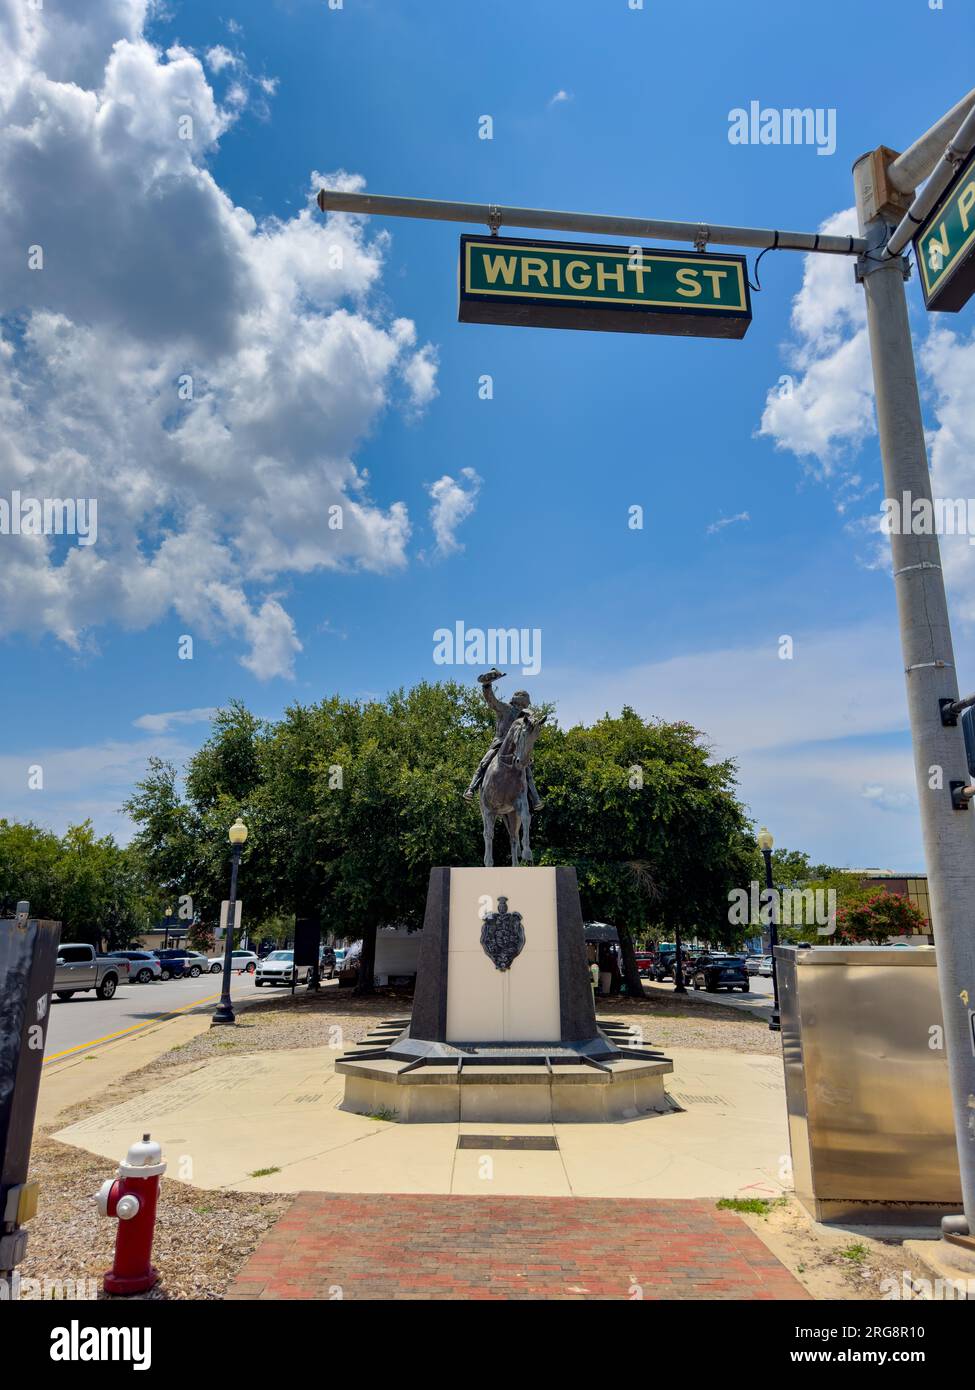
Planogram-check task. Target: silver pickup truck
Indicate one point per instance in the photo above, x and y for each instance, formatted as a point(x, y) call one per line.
point(79, 968)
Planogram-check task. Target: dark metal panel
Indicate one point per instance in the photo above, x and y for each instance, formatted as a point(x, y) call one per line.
point(308, 940)
point(576, 1008)
point(429, 1020)
point(28, 950)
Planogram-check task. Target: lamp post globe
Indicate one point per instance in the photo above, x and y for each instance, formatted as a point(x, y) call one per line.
point(236, 835)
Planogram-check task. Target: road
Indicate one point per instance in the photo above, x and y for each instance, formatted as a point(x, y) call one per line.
point(759, 996)
point(85, 1021)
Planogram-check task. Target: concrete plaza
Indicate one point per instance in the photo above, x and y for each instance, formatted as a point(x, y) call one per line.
point(272, 1122)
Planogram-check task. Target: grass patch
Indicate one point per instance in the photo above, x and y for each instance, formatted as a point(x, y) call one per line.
point(855, 1253)
point(263, 1172)
point(384, 1113)
point(757, 1206)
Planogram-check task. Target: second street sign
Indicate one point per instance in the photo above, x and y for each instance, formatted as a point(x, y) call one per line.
point(945, 245)
point(568, 284)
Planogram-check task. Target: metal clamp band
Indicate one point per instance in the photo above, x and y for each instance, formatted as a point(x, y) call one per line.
point(921, 665)
point(924, 565)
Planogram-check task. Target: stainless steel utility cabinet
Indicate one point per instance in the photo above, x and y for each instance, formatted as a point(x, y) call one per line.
point(866, 1080)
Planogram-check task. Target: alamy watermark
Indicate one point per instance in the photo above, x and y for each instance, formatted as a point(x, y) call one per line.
point(790, 125)
point(786, 907)
point(494, 646)
point(49, 516)
point(17, 1288)
point(910, 1287)
point(928, 516)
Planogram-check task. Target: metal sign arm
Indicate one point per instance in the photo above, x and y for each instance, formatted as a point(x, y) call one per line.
point(909, 170)
point(489, 214)
point(959, 146)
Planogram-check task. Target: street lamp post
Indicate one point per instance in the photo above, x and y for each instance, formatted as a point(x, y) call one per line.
point(678, 964)
point(224, 1012)
point(765, 843)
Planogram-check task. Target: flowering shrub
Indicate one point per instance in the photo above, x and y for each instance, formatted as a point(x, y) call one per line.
point(876, 918)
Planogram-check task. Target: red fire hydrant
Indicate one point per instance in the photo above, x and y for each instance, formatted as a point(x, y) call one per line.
point(131, 1198)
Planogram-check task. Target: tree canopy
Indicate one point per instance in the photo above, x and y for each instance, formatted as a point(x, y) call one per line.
point(98, 890)
point(349, 804)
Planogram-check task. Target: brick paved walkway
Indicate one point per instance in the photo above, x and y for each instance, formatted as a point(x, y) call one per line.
point(397, 1247)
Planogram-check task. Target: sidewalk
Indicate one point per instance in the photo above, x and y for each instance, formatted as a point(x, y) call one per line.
point(408, 1247)
point(271, 1122)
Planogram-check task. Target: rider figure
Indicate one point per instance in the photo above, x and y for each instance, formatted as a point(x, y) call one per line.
point(505, 716)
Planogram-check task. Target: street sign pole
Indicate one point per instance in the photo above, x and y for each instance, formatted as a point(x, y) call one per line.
point(929, 665)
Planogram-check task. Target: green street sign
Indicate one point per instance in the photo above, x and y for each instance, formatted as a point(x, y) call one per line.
point(945, 245)
point(623, 289)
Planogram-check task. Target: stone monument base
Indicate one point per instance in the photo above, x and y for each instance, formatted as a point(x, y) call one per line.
point(503, 1025)
point(490, 1084)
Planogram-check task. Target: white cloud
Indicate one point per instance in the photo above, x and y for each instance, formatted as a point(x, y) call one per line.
point(207, 377)
point(839, 684)
point(162, 723)
point(825, 413)
point(453, 503)
point(560, 96)
point(887, 800)
point(821, 805)
point(811, 736)
point(70, 774)
point(830, 407)
point(724, 521)
point(948, 359)
point(218, 57)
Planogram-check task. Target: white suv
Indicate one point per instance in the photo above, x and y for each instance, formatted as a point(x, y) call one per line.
point(279, 969)
point(239, 960)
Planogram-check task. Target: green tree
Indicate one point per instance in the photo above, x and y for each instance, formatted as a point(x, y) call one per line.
point(29, 869)
point(349, 805)
point(653, 826)
point(388, 796)
point(96, 889)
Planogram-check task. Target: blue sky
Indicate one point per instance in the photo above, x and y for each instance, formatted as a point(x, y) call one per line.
point(595, 107)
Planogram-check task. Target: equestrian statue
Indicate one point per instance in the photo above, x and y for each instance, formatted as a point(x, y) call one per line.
point(504, 776)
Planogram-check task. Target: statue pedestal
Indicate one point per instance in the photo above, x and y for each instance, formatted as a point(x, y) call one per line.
point(544, 995)
point(503, 1024)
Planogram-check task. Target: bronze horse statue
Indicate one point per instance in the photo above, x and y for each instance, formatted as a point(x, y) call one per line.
point(504, 790)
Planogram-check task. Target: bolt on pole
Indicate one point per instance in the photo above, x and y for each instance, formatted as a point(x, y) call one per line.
point(929, 664)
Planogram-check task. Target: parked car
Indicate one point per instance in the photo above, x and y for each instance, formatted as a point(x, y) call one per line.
point(79, 968)
point(663, 967)
point(753, 964)
point(176, 963)
point(347, 967)
point(326, 963)
point(714, 972)
point(279, 969)
point(765, 966)
point(144, 966)
point(644, 962)
point(239, 960)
